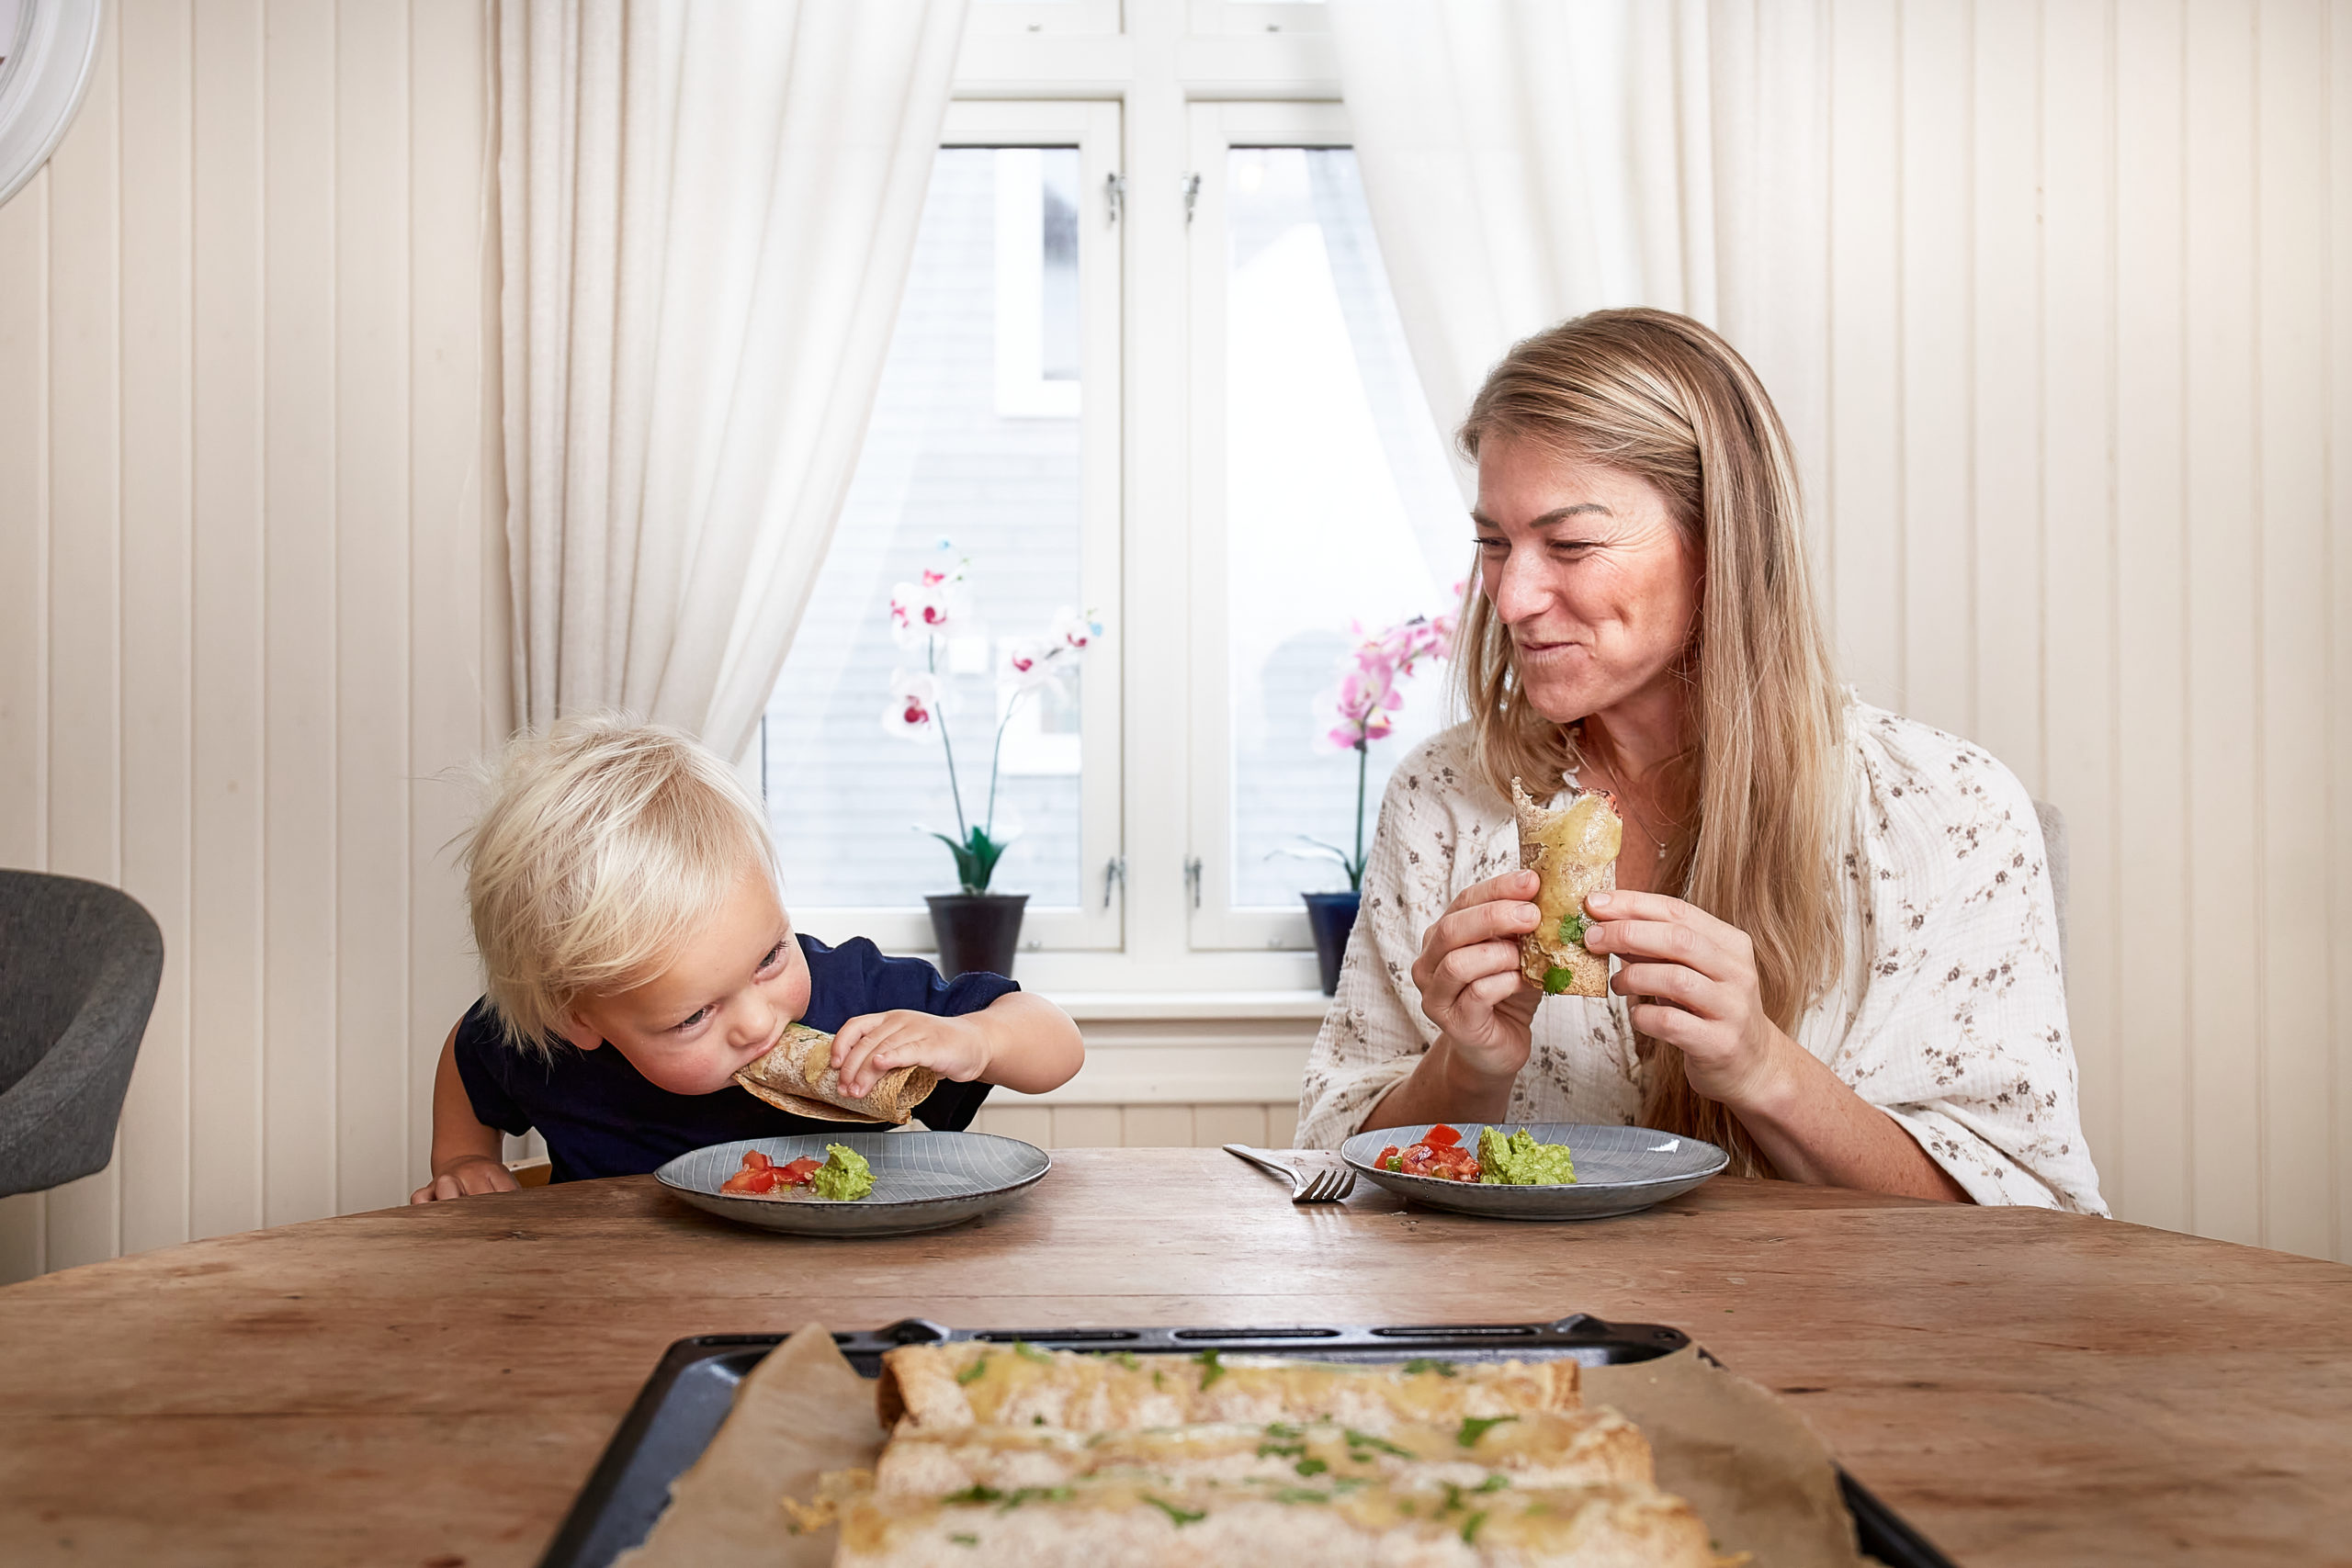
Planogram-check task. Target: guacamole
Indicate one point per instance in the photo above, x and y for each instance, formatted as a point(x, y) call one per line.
point(844, 1175)
point(1520, 1161)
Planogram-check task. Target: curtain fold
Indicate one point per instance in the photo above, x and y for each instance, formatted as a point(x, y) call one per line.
point(706, 214)
point(1526, 161)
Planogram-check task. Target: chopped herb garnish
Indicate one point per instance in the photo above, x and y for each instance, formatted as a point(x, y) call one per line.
point(973, 1371)
point(1280, 1450)
point(1431, 1364)
point(962, 1539)
point(1366, 1440)
point(1128, 1360)
point(1494, 1482)
point(1476, 1426)
point(1301, 1494)
point(1470, 1529)
point(1158, 1379)
point(1572, 929)
point(1285, 1431)
point(974, 1494)
point(1310, 1467)
point(1182, 1517)
point(1211, 1368)
point(1557, 981)
point(1032, 1493)
point(1344, 1485)
point(1029, 1352)
point(1036, 1420)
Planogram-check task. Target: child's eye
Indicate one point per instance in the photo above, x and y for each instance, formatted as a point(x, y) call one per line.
point(774, 957)
point(699, 1014)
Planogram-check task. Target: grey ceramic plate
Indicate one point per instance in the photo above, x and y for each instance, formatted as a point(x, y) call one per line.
point(921, 1181)
point(1619, 1170)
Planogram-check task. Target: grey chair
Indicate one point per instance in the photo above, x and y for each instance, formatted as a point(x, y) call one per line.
point(79, 965)
point(2054, 849)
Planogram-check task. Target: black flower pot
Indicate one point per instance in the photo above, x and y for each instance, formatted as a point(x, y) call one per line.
point(1331, 916)
point(976, 930)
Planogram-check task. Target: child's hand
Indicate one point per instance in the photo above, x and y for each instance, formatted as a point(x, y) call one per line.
point(466, 1176)
point(878, 1043)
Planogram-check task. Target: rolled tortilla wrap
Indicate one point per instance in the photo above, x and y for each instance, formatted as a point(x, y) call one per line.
point(1135, 1522)
point(799, 1077)
point(979, 1383)
point(1549, 1448)
point(1574, 851)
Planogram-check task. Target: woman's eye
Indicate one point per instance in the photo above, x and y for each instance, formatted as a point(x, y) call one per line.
point(1491, 546)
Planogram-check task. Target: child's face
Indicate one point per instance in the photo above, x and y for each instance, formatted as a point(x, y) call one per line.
point(721, 1005)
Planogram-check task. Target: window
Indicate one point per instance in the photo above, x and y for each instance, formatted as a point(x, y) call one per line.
point(1147, 363)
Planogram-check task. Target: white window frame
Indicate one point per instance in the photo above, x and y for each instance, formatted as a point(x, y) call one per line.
point(1217, 128)
point(1096, 925)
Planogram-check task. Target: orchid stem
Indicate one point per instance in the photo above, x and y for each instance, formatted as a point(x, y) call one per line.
point(996, 759)
point(1363, 767)
point(930, 654)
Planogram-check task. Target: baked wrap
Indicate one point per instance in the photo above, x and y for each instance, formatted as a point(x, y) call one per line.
point(1136, 1522)
point(1549, 1448)
point(1574, 851)
point(798, 1075)
point(978, 1383)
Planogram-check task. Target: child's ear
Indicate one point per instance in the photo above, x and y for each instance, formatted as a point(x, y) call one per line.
point(579, 1031)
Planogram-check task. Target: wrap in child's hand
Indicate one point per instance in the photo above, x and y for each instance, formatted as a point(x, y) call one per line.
point(799, 1076)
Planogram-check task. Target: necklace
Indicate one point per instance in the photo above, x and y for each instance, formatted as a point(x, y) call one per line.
point(1576, 735)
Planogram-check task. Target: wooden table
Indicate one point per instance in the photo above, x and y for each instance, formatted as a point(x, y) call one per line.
point(429, 1386)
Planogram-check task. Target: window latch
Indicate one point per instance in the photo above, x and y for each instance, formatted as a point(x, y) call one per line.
point(1114, 194)
point(1115, 874)
point(1193, 878)
point(1191, 195)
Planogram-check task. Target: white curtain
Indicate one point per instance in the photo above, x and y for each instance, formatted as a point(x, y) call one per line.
point(1526, 161)
point(706, 211)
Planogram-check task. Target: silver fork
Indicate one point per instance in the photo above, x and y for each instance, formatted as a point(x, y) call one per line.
point(1322, 1184)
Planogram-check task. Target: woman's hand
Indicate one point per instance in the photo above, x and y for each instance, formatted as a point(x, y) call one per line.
point(464, 1178)
point(1691, 981)
point(1469, 979)
point(877, 1043)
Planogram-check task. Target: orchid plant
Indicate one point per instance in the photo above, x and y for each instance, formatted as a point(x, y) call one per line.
point(1368, 696)
point(925, 615)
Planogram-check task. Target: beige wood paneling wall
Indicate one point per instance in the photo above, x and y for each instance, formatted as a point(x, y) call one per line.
point(2053, 312)
point(2075, 466)
point(245, 610)
point(1142, 1126)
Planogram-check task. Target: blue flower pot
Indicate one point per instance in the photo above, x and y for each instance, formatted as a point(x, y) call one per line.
point(1331, 916)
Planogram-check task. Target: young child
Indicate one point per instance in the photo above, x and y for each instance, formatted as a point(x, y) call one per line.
point(623, 891)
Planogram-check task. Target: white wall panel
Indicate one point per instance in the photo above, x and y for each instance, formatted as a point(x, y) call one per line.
point(241, 329)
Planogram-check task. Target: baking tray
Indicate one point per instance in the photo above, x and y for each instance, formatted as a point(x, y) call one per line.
point(690, 1392)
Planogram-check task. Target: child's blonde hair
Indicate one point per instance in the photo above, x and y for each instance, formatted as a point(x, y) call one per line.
point(606, 845)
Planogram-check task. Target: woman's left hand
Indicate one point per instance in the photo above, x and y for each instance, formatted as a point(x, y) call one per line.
point(1691, 980)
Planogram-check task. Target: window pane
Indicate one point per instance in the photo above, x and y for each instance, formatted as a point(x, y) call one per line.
point(974, 442)
point(1341, 509)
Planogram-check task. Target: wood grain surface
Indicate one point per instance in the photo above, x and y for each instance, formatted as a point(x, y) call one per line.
point(430, 1386)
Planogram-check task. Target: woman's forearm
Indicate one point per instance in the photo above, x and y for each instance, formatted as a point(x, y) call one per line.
point(1813, 1127)
point(1441, 1088)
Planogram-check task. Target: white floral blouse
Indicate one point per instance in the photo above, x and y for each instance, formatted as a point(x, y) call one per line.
point(1949, 1013)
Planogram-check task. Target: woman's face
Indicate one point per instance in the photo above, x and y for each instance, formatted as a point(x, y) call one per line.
point(1586, 566)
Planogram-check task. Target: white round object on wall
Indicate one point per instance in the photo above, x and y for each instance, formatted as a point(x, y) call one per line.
point(47, 47)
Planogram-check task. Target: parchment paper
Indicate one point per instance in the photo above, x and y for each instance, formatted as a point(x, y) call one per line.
point(1746, 1461)
point(803, 1410)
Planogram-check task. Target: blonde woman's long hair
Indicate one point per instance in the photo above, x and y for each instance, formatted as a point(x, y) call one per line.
point(1661, 397)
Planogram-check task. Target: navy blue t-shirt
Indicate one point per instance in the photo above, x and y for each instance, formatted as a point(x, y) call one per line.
point(601, 1118)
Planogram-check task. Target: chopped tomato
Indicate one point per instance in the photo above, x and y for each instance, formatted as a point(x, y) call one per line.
point(1446, 1161)
point(1442, 1137)
point(1386, 1155)
point(762, 1175)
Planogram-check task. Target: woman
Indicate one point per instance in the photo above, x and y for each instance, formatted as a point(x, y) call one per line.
point(1838, 949)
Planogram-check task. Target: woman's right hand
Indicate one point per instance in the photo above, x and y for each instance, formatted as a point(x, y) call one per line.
point(1469, 979)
